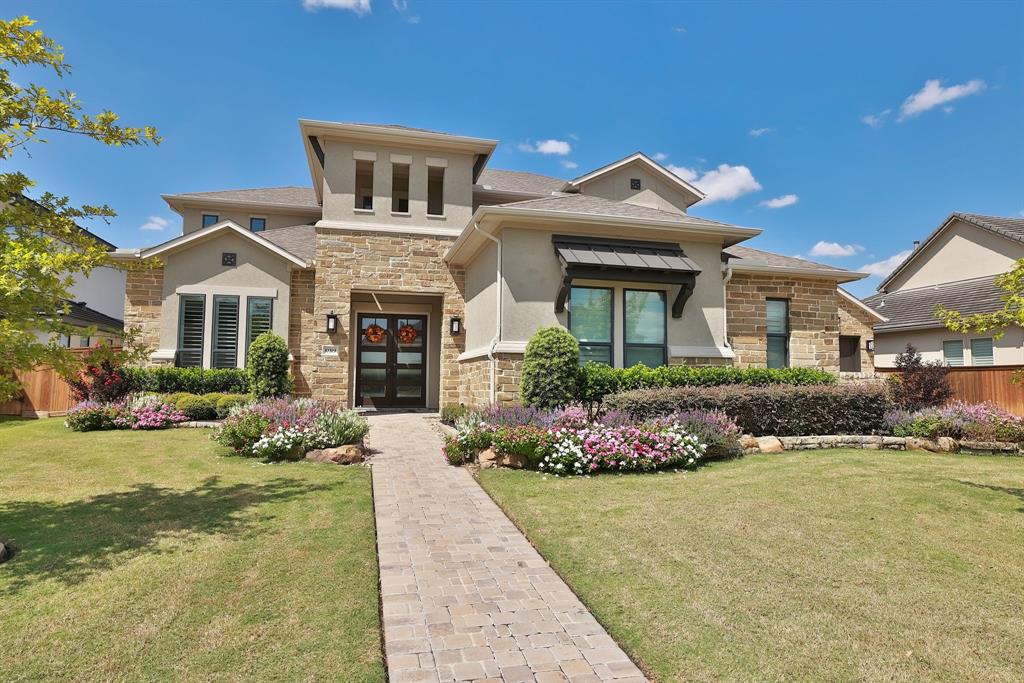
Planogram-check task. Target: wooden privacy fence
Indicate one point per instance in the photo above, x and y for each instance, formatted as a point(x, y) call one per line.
point(994, 384)
point(45, 393)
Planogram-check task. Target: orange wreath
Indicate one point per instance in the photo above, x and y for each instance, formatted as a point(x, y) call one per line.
point(375, 334)
point(407, 334)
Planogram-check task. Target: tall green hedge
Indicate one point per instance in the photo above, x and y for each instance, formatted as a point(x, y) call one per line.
point(187, 380)
point(267, 366)
point(597, 381)
point(770, 410)
point(550, 368)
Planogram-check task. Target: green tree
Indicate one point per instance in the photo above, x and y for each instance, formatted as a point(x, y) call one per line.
point(42, 249)
point(1011, 314)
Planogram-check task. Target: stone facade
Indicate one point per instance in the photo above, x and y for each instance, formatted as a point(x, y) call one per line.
point(813, 319)
point(301, 325)
point(476, 379)
point(376, 262)
point(143, 300)
point(855, 321)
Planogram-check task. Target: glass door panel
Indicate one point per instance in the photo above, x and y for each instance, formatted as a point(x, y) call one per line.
point(391, 360)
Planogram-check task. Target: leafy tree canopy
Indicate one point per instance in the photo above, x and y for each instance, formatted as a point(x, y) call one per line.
point(1012, 312)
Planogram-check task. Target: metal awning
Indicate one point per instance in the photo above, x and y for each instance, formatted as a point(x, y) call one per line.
point(598, 258)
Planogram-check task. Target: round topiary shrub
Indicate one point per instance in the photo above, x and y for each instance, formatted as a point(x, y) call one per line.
point(196, 407)
point(550, 369)
point(267, 366)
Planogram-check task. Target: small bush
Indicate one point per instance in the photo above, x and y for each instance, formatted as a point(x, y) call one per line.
point(267, 366)
point(196, 407)
point(89, 416)
point(241, 432)
point(339, 428)
point(772, 410)
point(597, 381)
point(550, 369)
point(918, 384)
point(527, 441)
point(102, 380)
point(164, 380)
point(450, 412)
point(714, 428)
point(228, 401)
point(959, 420)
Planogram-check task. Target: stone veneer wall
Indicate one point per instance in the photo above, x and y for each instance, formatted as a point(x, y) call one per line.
point(143, 300)
point(475, 384)
point(813, 319)
point(382, 262)
point(855, 321)
point(301, 327)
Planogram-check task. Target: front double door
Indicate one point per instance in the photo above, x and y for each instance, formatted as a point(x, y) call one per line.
point(391, 361)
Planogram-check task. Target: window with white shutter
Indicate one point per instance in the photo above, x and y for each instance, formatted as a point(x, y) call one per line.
point(225, 332)
point(191, 322)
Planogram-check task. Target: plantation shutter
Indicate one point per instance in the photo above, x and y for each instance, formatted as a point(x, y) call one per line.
point(981, 351)
point(953, 353)
point(225, 332)
point(260, 318)
point(191, 321)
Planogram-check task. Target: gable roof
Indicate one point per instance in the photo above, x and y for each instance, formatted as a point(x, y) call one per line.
point(518, 182)
point(286, 197)
point(299, 240)
point(1010, 228)
point(185, 241)
point(743, 258)
point(861, 305)
point(915, 308)
point(599, 206)
point(643, 160)
point(80, 313)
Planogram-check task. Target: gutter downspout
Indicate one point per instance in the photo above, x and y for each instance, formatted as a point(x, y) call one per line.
point(497, 327)
point(725, 303)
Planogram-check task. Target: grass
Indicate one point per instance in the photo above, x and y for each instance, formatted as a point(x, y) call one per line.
point(827, 565)
point(145, 556)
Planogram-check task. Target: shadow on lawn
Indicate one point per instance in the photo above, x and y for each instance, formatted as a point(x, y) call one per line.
point(1017, 493)
point(70, 541)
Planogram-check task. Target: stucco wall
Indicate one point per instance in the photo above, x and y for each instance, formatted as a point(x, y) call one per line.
point(813, 317)
point(102, 290)
point(339, 186)
point(855, 321)
point(481, 298)
point(655, 191)
point(1006, 351)
point(192, 219)
point(963, 252)
point(198, 270)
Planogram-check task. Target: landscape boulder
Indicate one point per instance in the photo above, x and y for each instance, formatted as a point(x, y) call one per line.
point(769, 444)
point(342, 455)
point(489, 458)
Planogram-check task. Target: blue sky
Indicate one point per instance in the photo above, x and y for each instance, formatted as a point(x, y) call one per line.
point(866, 124)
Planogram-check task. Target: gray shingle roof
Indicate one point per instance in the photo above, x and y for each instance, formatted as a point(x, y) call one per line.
point(298, 240)
point(756, 257)
point(916, 307)
point(301, 197)
point(80, 314)
point(519, 181)
point(598, 206)
point(1007, 227)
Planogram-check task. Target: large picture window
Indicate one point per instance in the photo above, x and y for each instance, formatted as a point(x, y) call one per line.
point(777, 313)
point(191, 323)
point(644, 322)
point(225, 332)
point(590, 321)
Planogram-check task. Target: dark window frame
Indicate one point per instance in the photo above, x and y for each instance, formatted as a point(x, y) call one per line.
point(248, 320)
point(611, 323)
point(360, 203)
point(257, 218)
point(444, 172)
point(777, 335)
point(626, 345)
point(181, 330)
point(214, 329)
point(855, 359)
point(214, 216)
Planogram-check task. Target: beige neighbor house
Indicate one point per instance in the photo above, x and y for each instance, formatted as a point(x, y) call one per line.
point(410, 274)
point(954, 267)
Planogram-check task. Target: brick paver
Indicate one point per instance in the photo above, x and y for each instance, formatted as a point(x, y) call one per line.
point(464, 595)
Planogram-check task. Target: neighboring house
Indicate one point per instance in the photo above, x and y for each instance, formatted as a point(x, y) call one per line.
point(410, 274)
point(954, 267)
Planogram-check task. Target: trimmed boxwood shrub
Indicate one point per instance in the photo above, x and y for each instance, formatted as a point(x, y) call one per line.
point(196, 407)
point(550, 369)
point(598, 381)
point(188, 380)
point(772, 410)
point(267, 366)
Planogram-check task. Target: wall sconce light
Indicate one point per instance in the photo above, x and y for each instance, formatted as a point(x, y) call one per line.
point(455, 326)
point(332, 323)
point(870, 345)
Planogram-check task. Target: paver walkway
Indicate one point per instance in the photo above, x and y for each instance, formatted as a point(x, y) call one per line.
point(465, 596)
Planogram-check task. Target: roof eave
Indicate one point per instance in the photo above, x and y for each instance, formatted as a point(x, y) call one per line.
point(193, 201)
point(638, 156)
point(839, 276)
point(863, 306)
point(183, 241)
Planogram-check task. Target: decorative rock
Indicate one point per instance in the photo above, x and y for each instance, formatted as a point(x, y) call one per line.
point(342, 455)
point(769, 444)
point(488, 458)
point(916, 444)
point(5, 553)
point(947, 444)
point(989, 446)
point(748, 441)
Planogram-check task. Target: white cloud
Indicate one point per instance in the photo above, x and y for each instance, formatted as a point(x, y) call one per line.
point(758, 132)
point(559, 147)
point(402, 7)
point(679, 29)
point(885, 266)
point(933, 95)
point(779, 202)
point(569, 164)
point(360, 7)
point(876, 120)
point(724, 183)
point(155, 223)
point(835, 249)
point(660, 156)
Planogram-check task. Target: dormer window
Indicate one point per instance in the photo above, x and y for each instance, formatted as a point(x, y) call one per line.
point(435, 190)
point(364, 185)
point(210, 219)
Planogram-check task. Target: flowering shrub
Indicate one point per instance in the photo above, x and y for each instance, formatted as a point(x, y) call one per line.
point(623, 449)
point(101, 380)
point(959, 420)
point(276, 428)
point(150, 417)
point(88, 416)
point(714, 428)
point(282, 443)
point(137, 412)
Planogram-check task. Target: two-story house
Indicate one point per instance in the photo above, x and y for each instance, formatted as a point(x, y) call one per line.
point(411, 274)
point(955, 267)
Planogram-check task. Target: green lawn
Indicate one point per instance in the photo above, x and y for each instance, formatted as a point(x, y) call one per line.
point(828, 565)
point(146, 555)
